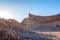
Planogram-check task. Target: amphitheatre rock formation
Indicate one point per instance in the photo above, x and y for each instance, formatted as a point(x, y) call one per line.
point(41, 23)
point(44, 19)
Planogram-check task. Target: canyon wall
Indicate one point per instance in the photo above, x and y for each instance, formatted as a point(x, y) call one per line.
point(41, 23)
point(44, 19)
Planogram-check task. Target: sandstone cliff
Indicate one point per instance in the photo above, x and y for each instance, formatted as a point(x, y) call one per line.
point(41, 23)
point(44, 19)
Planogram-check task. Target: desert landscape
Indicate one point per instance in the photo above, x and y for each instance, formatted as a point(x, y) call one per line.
point(31, 28)
point(29, 19)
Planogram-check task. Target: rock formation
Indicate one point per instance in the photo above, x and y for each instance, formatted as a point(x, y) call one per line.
point(44, 19)
point(29, 28)
point(41, 23)
point(10, 24)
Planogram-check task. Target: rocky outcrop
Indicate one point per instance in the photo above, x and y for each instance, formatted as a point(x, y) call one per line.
point(44, 19)
point(10, 24)
point(41, 23)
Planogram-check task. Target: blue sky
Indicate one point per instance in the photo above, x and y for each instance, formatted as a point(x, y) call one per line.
point(20, 9)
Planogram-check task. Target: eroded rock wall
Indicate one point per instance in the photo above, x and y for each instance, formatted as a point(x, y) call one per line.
point(44, 19)
point(41, 23)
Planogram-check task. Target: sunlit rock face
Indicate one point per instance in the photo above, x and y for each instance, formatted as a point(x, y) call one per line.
point(44, 19)
point(24, 23)
point(42, 23)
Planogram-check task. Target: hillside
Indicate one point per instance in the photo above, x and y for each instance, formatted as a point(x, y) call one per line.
point(10, 24)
